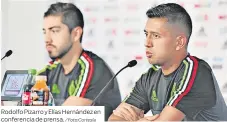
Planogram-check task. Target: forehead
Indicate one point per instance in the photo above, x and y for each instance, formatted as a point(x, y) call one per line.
point(51, 21)
point(156, 24)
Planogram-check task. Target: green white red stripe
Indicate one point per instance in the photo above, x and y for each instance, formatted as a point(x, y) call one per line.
point(87, 76)
point(90, 74)
point(191, 66)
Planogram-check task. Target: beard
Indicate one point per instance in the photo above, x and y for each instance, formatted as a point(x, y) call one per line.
point(61, 53)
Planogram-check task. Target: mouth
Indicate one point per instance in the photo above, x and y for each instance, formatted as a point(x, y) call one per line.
point(148, 54)
point(49, 47)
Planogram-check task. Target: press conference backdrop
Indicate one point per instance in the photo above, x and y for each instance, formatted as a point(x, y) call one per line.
point(114, 30)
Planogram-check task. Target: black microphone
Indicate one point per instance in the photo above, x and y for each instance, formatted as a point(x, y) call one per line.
point(8, 53)
point(130, 64)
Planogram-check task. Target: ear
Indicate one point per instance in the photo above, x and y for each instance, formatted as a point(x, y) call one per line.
point(181, 42)
point(76, 34)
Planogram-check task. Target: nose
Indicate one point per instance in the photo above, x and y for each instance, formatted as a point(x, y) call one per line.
point(48, 38)
point(148, 42)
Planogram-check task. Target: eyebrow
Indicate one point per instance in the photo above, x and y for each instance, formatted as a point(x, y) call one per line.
point(50, 28)
point(150, 31)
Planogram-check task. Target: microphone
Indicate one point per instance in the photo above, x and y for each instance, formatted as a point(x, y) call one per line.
point(130, 64)
point(8, 53)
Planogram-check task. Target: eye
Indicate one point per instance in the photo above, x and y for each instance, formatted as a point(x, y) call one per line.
point(156, 36)
point(54, 31)
point(146, 34)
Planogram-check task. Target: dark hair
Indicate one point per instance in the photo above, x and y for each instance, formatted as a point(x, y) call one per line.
point(71, 15)
point(175, 14)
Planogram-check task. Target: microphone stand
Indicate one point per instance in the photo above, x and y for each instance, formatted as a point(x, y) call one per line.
point(102, 91)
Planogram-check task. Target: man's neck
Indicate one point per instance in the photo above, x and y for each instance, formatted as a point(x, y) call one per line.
point(172, 65)
point(70, 59)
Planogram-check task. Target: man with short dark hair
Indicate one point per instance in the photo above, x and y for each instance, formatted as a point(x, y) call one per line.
point(75, 76)
point(184, 87)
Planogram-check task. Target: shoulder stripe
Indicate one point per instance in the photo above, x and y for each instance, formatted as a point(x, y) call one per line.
point(82, 83)
point(191, 66)
point(90, 74)
point(180, 88)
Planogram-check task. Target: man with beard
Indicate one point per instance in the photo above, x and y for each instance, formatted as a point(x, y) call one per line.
point(75, 76)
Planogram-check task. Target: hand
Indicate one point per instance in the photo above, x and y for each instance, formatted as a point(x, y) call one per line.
point(128, 112)
point(149, 118)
